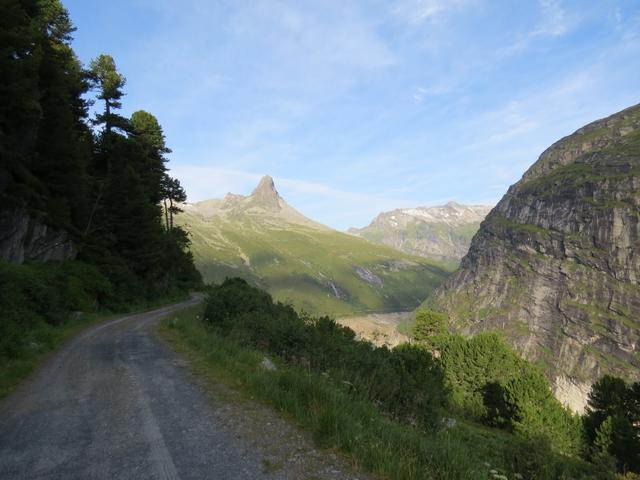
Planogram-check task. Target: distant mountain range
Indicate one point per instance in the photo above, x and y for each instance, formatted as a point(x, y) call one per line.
point(261, 238)
point(443, 232)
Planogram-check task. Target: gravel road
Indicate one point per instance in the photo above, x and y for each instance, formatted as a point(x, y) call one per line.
point(116, 403)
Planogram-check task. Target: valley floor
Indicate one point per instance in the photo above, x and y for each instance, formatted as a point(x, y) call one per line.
point(379, 328)
point(116, 403)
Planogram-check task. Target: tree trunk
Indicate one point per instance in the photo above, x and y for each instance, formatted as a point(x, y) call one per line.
point(171, 212)
point(93, 210)
point(107, 116)
point(166, 214)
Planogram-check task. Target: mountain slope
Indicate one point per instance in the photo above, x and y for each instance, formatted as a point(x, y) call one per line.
point(264, 240)
point(556, 264)
point(438, 232)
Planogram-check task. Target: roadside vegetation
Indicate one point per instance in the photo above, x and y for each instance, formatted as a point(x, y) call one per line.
point(92, 193)
point(43, 305)
point(393, 412)
point(489, 383)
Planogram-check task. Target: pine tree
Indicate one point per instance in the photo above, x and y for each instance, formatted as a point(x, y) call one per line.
point(64, 141)
point(20, 110)
point(610, 423)
point(109, 82)
point(148, 134)
point(105, 189)
point(429, 324)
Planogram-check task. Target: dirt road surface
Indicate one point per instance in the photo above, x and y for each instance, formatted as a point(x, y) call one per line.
point(117, 403)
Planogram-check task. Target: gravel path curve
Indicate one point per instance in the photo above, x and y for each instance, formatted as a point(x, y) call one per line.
point(116, 403)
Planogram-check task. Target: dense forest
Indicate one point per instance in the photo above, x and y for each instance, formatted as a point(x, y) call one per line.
point(95, 188)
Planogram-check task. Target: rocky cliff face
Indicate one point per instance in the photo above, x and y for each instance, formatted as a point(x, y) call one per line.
point(556, 264)
point(26, 238)
point(443, 232)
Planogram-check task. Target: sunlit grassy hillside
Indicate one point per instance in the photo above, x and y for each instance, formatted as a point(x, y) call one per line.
point(263, 240)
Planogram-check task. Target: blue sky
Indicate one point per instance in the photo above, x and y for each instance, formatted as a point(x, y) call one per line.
point(356, 107)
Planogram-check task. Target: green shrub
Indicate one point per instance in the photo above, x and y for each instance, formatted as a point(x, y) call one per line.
point(373, 441)
point(489, 382)
point(525, 405)
point(469, 364)
point(34, 295)
point(429, 324)
point(611, 428)
point(405, 382)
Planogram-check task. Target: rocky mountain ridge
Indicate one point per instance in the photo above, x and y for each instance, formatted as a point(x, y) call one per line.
point(555, 265)
point(443, 231)
point(263, 204)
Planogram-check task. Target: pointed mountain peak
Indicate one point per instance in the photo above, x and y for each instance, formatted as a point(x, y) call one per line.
point(265, 194)
point(266, 186)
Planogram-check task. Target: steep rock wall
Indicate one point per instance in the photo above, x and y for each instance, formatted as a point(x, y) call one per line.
point(26, 238)
point(555, 266)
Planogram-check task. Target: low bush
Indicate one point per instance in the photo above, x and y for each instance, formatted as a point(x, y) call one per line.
point(489, 382)
point(461, 450)
point(477, 379)
point(405, 382)
point(36, 295)
point(429, 323)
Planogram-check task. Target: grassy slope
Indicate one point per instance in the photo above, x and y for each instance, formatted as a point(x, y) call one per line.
point(297, 264)
point(374, 442)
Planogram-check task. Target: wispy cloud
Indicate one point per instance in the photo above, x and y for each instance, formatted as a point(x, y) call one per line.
point(210, 182)
point(416, 12)
point(539, 110)
point(421, 93)
point(366, 105)
point(554, 20)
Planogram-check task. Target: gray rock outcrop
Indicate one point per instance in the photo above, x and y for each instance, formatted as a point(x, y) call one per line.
point(26, 238)
point(555, 265)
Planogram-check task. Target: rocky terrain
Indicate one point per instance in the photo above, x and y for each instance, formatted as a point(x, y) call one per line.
point(555, 266)
point(27, 238)
point(379, 328)
point(262, 239)
point(443, 232)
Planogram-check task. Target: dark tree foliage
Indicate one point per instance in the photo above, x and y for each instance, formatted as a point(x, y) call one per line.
point(105, 77)
point(63, 146)
point(172, 194)
point(41, 108)
point(611, 426)
point(105, 188)
point(489, 382)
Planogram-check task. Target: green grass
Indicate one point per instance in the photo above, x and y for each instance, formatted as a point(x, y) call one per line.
point(372, 441)
point(405, 327)
point(46, 338)
point(298, 264)
point(525, 227)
